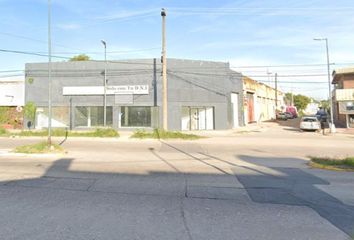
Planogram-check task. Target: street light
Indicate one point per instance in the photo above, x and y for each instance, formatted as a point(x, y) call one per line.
point(105, 83)
point(332, 126)
point(49, 76)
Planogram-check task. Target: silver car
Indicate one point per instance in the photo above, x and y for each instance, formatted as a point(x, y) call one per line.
point(310, 123)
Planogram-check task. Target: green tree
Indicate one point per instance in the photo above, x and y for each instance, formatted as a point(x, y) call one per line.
point(30, 111)
point(81, 57)
point(324, 104)
point(301, 102)
point(288, 97)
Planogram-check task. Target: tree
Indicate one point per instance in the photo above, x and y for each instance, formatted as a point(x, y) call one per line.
point(325, 104)
point(81, 57)
point(301, 102)
point(288, 98)
point(30, 111)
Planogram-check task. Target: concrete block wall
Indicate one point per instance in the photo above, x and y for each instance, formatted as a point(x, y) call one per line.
point(190, 83)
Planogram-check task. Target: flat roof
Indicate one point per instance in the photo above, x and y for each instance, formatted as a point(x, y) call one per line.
point(341, 71)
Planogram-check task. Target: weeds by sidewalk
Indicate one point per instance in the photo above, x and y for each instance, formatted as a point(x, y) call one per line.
point(99, 132)
point(346, 164)
point(41, 147)
point(161, 134)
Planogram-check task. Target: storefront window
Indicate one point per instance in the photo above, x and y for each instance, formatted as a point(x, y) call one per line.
point(81, 116)
point(135, 116)
point(92, 116)
point(60, 117)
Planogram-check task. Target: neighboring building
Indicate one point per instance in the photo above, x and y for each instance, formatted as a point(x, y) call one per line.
point(12, 93)
point(202, 95)
point(343, 97)
point(260, 101)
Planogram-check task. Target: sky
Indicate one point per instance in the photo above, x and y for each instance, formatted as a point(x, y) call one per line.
point(257, 37)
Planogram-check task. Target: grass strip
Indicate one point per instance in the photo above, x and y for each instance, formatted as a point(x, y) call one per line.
point(3, 131)
point(345, 164)
point(99, 132)
point(161, 134)
point(41, 147)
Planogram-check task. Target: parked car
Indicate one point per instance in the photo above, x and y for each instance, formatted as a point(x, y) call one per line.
point(281, 116)
point(292, 110)
point(289, 115)
point(310, 123)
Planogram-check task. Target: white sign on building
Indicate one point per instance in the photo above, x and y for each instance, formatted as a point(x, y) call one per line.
point(12, 93)
point(110, 90)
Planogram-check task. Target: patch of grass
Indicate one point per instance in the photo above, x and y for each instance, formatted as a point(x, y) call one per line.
point(161, 134)
point(333, 163)
point(3, 131)
point(41, 147)
point(99, 132)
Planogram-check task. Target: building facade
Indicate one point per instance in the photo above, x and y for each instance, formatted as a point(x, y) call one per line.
point(260, 101)
point(343, 97)
point(202, 95)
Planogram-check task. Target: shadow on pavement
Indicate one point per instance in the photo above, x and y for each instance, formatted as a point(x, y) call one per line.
point(293, 186)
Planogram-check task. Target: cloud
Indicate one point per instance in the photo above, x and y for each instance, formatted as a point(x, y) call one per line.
point(129, 14)
point(68, 26)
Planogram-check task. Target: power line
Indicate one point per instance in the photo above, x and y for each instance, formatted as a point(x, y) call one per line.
point(35, 40)
point(11, 75)
point(211, 74)
point(30, 53)
point(68, 58)
point(231, 66)
point(9, 71)
point(292, 82)
point(109, 52)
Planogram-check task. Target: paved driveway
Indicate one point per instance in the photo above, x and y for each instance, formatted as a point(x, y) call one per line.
point(241, 186)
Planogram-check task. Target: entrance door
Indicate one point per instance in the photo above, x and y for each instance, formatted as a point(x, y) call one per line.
point(194, 119)
point(234, 101)
point(197, 118)
point(351, 121)
point(250, 101)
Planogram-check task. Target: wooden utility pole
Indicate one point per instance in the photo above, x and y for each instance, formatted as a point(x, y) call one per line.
point(164, 72)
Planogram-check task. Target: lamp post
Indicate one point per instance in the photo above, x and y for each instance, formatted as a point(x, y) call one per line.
point(49, 76)
point(164, 72)
point(332, 126)
point(105, 83)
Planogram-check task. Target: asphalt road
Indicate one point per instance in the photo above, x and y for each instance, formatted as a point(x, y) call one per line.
point(254, 185)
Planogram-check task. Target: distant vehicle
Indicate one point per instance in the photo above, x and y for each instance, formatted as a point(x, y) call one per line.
point(310, 123)
point(292, 110)
point(289, 115)
point(281, 116)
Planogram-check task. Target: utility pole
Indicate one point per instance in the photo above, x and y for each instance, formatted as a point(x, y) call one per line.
point(49, 76)
point(105, 84)
point(276, 91)
point(332, 126)
point(164, 72)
